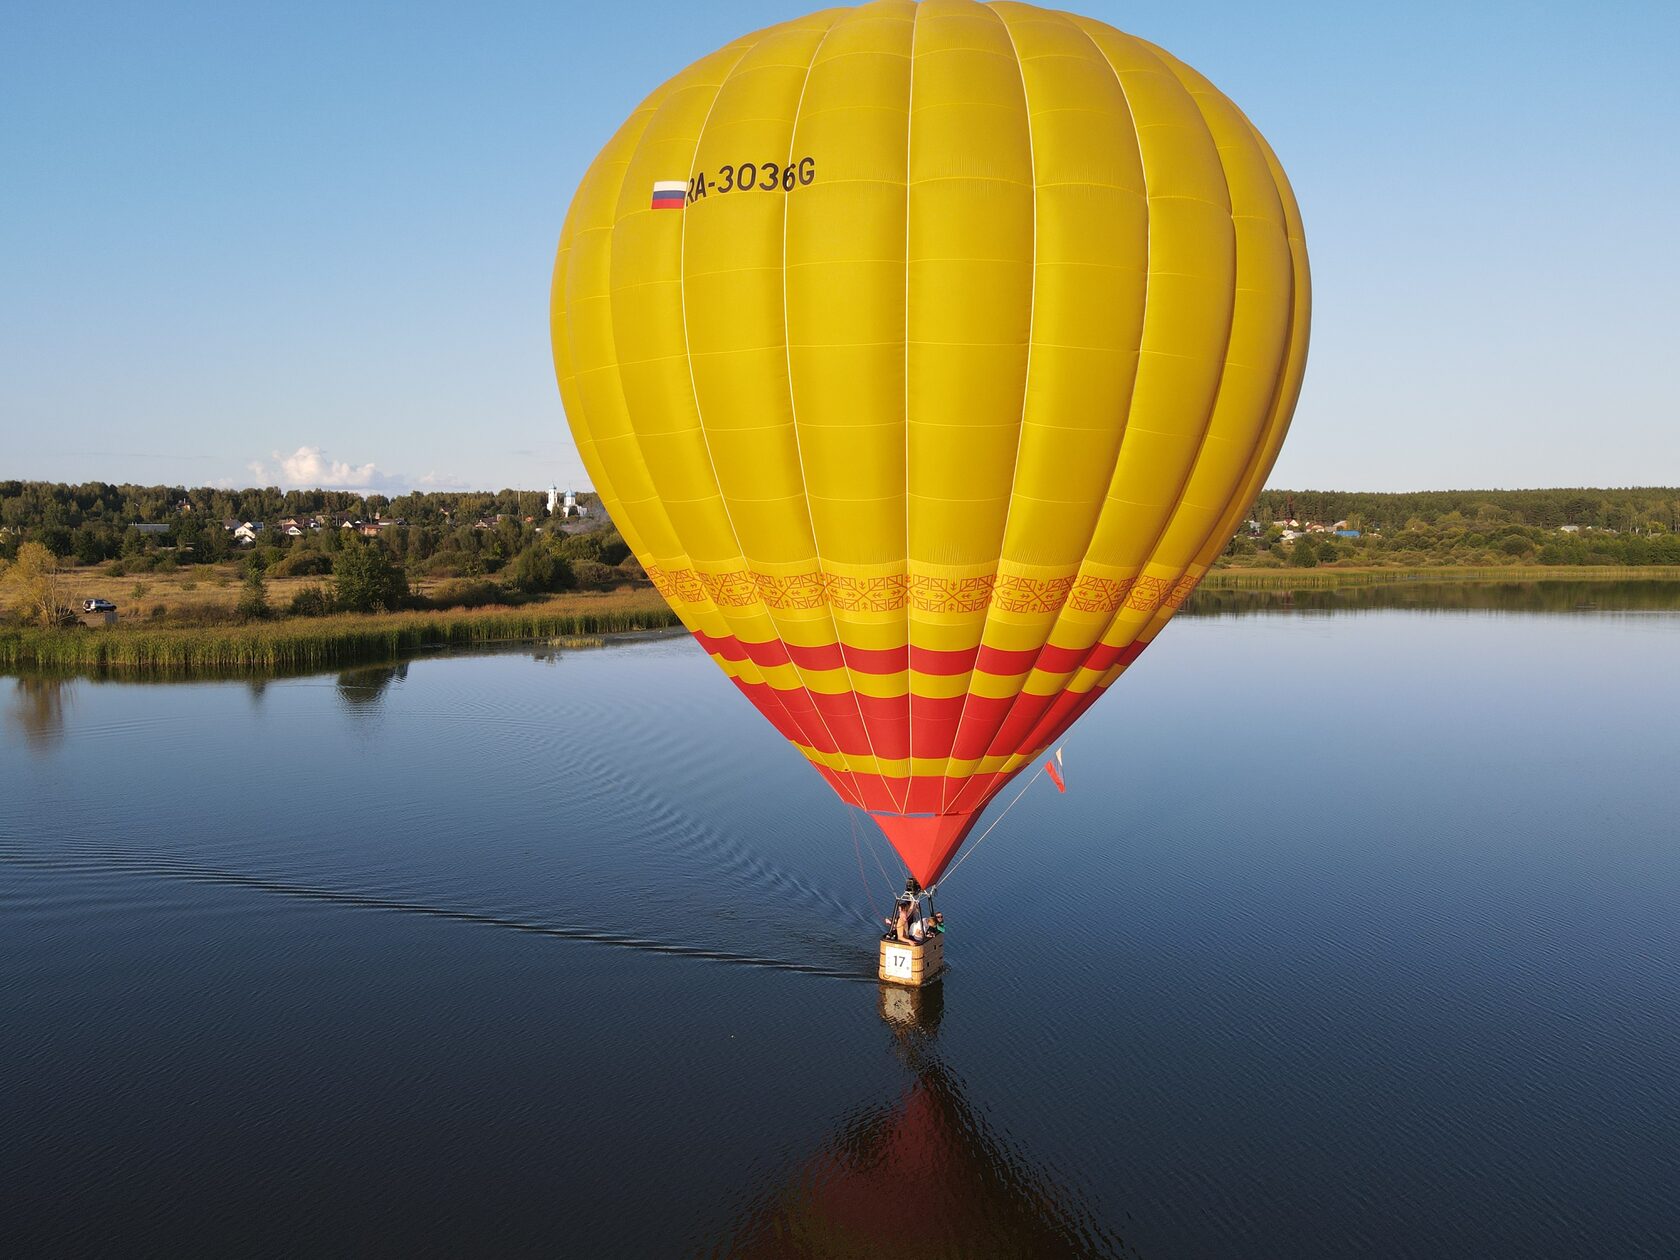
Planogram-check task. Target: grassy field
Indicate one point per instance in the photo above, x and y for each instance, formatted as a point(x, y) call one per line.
point(197, 593)
point(209, 593)
point(1329, 578)
point(296, 643)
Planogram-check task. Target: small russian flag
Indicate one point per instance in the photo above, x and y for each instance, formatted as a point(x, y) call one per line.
point(669, 194)
point(1055, 769)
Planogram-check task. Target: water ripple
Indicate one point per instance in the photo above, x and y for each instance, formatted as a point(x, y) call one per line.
point(155, 866)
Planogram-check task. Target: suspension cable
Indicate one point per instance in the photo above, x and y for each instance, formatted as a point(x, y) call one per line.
point(869, 844)
point(857, 850)
point(946, 878)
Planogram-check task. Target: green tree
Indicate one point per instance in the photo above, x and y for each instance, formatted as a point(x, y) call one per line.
point(365, 580)
point(538, 570)
point(87, 546)
point(1302, 554)
point(253, 597)
point(57, 539)
point(32, 582)
point(303, 561)
point(214, 544)
point(311, 601)
point(592, 575)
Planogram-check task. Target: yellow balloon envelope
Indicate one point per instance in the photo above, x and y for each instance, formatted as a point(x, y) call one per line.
point(926, 355)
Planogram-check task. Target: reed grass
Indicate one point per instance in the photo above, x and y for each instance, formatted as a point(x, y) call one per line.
point(321, 642)
point(301, 644)
point(1328, 579)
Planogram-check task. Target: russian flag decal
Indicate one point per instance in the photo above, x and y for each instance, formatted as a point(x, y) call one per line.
point(669, 194)
point(1055, 768)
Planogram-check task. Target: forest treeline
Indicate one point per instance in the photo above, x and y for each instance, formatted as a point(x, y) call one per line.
point(509, 535)
point(1634, 510)
point(1569, 526)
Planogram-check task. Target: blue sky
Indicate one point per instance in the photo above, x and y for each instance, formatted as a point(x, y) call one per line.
point(315, 241)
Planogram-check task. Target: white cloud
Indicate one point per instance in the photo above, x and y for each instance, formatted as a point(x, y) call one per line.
point(441, 481)
point(310, 468)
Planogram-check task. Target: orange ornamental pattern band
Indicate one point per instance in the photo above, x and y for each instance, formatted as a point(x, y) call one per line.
point(742, 588)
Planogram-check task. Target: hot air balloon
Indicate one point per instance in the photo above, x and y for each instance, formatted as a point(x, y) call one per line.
point(926, 355)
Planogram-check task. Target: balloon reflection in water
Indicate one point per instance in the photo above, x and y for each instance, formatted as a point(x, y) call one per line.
point(925, 1177)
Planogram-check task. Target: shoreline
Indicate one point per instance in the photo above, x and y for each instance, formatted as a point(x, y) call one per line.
point(315, 644)
point(310, 644)
point(1282, 578)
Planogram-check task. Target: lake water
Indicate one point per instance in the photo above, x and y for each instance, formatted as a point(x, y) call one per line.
point(1357, 933)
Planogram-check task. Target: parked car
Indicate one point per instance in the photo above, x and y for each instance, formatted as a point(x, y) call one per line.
point(98, 605)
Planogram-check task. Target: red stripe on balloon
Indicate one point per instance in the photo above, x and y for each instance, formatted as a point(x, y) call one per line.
point(888, 724)
point(1059, 660)
point(1019, 731)
point(937, 661)
point(1005, 664)
point(882, 662)
point(728, 647)
point(963, 726)
point(846, 722)
point(980, 721)
point(1018, 723)
point(798, 721)
point(887, 662)
point(933, 724)
point(842, 786)
point(884, 708)
point(1067, 709)
point(825, 656)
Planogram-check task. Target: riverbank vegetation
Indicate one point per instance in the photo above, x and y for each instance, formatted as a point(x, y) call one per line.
point(332, 577)
point(1550, 591)
point(1447, 544)
point(300, 643)
point(173, 564)
point(1340, 577)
